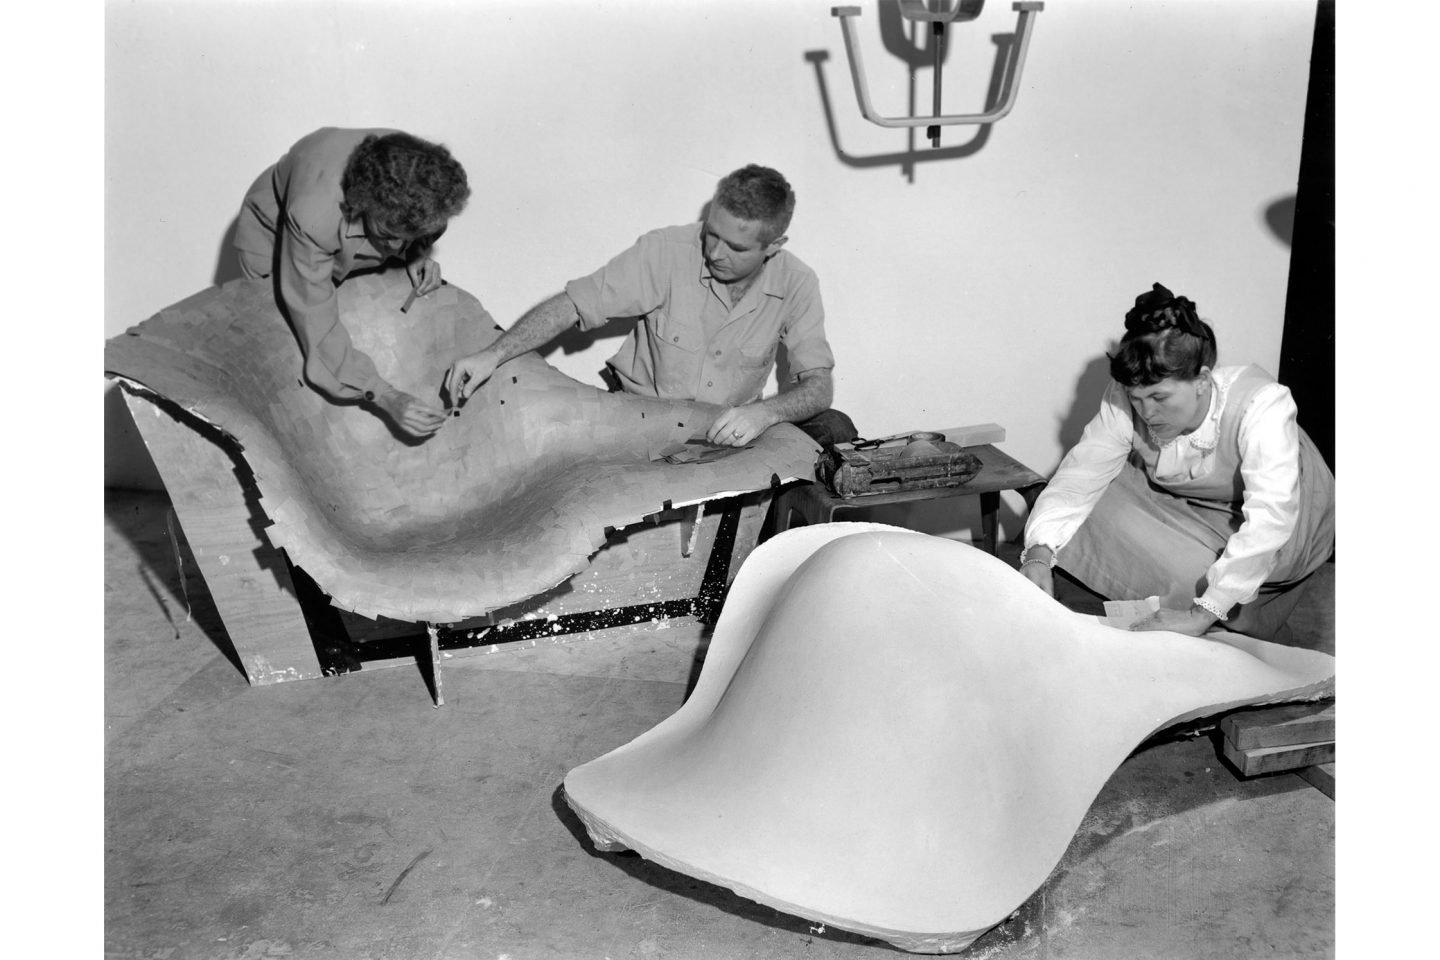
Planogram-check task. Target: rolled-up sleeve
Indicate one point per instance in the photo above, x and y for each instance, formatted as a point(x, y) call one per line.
point(630, 285)
point(332, 363)
point(1083, 474)
point(804, 330)
point(1269, 442)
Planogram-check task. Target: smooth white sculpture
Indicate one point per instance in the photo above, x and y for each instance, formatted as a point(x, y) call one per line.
point(898, 735)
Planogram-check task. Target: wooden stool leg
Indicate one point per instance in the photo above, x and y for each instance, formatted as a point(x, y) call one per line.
point(1031, 494)
point(783, 510)
point(989, 520)
point(434, 653)
point(806, 500)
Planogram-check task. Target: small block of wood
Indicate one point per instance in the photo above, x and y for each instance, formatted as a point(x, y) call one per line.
point(1260, 760)
point(1321, 776)
point(974, 435)
point(1280, 726)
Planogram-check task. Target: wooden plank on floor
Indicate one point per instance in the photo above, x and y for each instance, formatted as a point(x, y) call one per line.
point(1280, 726)
point(1321, 776)
point(1252, 763)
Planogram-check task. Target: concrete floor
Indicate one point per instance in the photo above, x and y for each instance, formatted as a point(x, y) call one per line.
point(348, 819)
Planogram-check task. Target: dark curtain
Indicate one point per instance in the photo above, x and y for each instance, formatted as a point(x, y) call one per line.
point(1307, 347)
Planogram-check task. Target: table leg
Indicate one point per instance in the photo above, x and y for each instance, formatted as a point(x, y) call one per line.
point(434, 656)
point(989, 520)
point(1031, 494)
point(782, 510)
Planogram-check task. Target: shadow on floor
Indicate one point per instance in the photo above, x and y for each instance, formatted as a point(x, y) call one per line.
point(700, 891)
point(166, 566)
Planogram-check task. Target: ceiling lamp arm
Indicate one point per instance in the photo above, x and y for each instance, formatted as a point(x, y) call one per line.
point(1023, 27)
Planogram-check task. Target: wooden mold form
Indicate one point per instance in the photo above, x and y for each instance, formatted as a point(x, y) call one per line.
point(506, 502)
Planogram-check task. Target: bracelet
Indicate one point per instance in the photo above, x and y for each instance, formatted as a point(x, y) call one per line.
point(1209, 606)
point(1024, 558)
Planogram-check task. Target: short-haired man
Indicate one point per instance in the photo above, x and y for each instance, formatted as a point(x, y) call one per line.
point(713, 300)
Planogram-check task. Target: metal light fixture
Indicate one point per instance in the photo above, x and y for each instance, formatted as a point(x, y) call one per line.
point(918, 11)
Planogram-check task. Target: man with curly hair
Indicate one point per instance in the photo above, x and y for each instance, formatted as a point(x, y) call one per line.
point(339, 202)
point(713, 301)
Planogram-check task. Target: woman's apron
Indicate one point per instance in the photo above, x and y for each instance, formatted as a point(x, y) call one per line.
point(1146, 539)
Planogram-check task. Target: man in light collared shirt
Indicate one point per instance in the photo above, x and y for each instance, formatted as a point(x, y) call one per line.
point(713, 301)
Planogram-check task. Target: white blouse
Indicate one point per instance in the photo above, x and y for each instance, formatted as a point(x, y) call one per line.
point(1269, 445)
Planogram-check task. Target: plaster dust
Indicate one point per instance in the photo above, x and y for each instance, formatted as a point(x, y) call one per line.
point(245, 822)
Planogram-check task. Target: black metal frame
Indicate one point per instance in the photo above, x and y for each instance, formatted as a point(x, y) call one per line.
point(338, 653)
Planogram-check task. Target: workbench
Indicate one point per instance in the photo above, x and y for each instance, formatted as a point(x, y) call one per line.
point(815, 503)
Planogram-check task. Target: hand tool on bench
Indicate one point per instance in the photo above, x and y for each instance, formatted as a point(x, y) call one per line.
point(907, 461)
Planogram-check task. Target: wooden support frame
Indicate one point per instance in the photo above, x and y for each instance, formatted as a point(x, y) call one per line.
point(219, 511)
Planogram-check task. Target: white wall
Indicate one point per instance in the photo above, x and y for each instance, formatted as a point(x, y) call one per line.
point(1148, 140)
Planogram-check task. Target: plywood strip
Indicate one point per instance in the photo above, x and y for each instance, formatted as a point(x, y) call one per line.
point(247, 577)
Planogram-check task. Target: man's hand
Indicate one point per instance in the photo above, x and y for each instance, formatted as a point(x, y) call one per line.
point(410, 414)
point(467, 374)
point(1192, 622)
point(424, 276)
point(1039, 574)
point(737, 426)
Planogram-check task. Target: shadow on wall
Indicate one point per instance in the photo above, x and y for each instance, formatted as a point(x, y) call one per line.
point(903, 45)
point(1089, 389)
point(127, 463)
point(227, 260)
point(167, 567)
point(1280, 218)
point(575, 340)
point(948, 518)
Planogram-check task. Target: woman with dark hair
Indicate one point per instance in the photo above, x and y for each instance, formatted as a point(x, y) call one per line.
point(1194, 483)
point(340, 202)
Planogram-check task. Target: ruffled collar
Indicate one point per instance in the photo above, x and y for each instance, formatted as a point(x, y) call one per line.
point(1206, 436)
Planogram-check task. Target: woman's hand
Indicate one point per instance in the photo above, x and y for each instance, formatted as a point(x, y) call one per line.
point(1192, 622)
point(1040, 574)
point(467, 374)
point(1037, 561)
point(410, 414)
point(424, 275)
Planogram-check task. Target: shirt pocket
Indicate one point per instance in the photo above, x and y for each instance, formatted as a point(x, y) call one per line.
point(674, 340)
point(753, 371)
point(677, 354)
point(757, 358)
